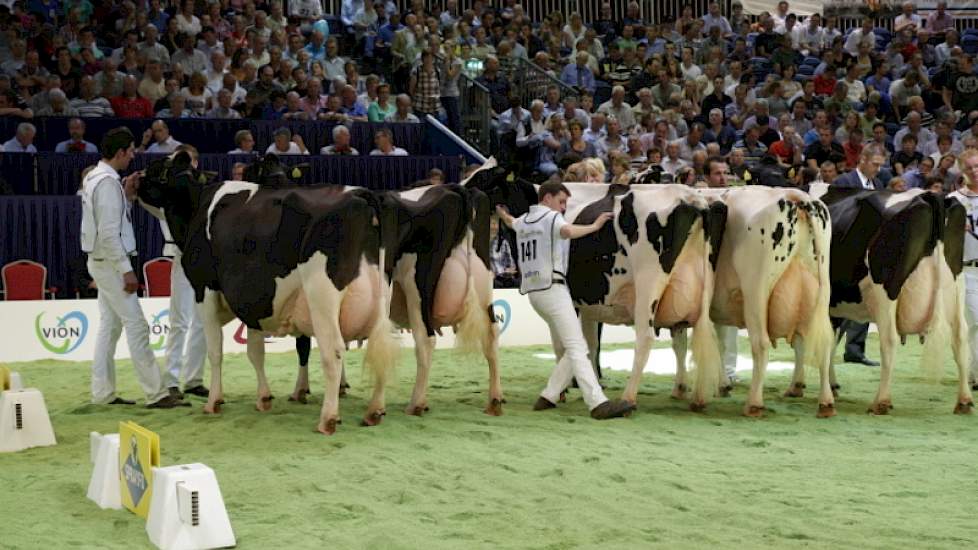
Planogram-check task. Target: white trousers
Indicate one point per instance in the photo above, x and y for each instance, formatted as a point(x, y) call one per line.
point(557, 309)
point(186, 333)
point(727, 338)
point(117, 310)
point(971, 315)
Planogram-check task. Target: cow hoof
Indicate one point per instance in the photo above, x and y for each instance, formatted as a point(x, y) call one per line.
point(754, 411)
point(725, 391)
point(417, 410)
point(825, 410)
point(343, 389)
point(328, 427)
point(880, 408)
point(214, 408)
point(299, 397)
point(264, 404)
point(495, 407)
point(679, 392)
point(835, 390)
point(964, 407)
point(796, 390)
point(373, 418)
point(697, 406)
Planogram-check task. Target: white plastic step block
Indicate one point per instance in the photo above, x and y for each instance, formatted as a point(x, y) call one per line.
point(24, 421)
point(103, 488)
point(187, 511)
point(15, 381)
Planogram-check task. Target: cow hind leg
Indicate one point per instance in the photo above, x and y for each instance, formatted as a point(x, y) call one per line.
point(797, 387)
point(679, 345)
point(962, 356)
point(423, 347)
point(886, 323)
point(759, 344)
point(490, 348)
point(256, 354)
point(211, 313)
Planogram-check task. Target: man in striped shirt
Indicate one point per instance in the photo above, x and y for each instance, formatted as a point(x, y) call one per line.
point(90, 105)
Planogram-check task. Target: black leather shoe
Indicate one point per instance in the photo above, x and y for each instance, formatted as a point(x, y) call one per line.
point(176, 393)
point(543, 404)
point(863, 360)
point(121, 401)
point(612, 409)
point(168, 402)
point(199, 390)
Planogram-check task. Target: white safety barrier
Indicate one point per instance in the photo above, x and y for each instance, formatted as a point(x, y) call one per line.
point(24, 421)
point(65, 329)
point(103, 489)
point(187, 511)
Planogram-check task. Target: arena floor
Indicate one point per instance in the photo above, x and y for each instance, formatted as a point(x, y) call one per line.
point(664, 478)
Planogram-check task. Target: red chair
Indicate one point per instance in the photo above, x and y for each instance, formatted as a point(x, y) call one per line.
point(156, 277)
point(25, 280)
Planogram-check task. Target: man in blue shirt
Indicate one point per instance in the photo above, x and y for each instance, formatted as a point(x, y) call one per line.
point(316, 46)
point(579, 74)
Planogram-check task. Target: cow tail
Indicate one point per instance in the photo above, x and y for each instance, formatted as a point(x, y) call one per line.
point(937, 335)
point(819, 338)
point(470, 331)
point(704, 345)
point(383, 346)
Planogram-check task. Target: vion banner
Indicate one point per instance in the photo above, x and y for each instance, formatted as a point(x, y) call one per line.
point(68, 329)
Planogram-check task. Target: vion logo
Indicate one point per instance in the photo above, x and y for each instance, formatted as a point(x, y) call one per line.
point(64, 335)
point(159, 328)
point(502, 314)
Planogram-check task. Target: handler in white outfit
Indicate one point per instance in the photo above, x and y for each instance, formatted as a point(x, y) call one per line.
point(108, 239)
point(186, 327)
point(968, 194)
point(543, 242)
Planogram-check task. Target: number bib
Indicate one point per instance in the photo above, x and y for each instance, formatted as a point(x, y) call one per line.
point(534, 245)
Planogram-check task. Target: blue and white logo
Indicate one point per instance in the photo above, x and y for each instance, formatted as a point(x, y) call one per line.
point(503, 314)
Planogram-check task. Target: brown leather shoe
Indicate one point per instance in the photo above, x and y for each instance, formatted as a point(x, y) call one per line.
point(168, 402)
point(543, 404)
point(612, 409)
point(175, 393)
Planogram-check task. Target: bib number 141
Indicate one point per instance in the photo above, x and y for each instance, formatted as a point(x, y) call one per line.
point(528, 251)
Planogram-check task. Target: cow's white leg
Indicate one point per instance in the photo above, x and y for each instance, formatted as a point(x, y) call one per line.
point(760, 343)
point(490, 349)
point(797, 387)
point(256, 354)
point(679, 345)
point(423, 347)
point(210, 314)
point(590, 329)
point(961, 344)
point(885, 318)
point(643, 342)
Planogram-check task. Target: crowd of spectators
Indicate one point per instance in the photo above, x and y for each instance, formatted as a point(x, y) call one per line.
point(782, 98)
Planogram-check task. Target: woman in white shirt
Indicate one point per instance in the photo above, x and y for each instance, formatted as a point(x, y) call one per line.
point(574, 30)
point(199, 98)
point(286, 144)
point(187, 22)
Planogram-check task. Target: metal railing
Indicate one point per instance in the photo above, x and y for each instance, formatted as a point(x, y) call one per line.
point(475, 113)
point(531, 82)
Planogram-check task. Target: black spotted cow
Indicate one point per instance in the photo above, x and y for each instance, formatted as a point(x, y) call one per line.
point(283, 259)
point(895, 261)
point(772, 278)
point(439, 269)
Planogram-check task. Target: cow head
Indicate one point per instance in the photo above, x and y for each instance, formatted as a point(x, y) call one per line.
point(269, 171)
point(174, 185)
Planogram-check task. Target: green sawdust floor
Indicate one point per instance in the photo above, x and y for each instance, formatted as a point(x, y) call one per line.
point(456, 478)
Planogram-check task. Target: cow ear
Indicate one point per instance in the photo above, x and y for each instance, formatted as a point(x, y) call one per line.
point(296, 173)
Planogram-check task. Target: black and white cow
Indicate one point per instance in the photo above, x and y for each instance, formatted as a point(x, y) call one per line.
point(285, 260)
point(438, 265)
point(772, 278)
point(895, 261)
point(652, 268)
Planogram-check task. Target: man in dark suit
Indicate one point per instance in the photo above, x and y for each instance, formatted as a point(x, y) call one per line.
point(863, 177)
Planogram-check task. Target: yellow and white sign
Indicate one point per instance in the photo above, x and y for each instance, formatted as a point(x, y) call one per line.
point(139, 453)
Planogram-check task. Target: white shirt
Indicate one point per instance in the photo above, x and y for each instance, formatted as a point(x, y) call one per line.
point(395, 152)
point(293, 150)
point(167, 147)
point(14, 146)
point(864, 181)
point(306, 8)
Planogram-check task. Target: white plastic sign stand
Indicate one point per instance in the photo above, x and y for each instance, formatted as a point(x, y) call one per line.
point(187, 511)
point(24, 421)
point(15, 382)
point(103, 489)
